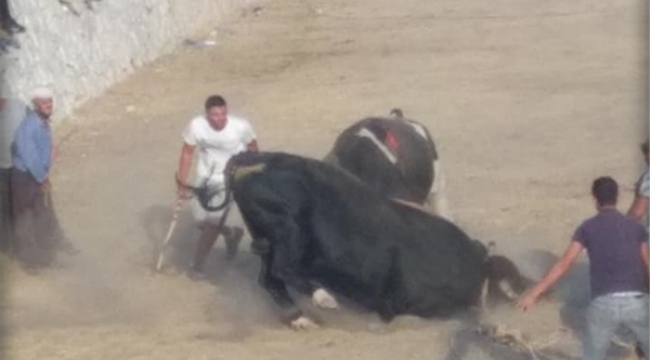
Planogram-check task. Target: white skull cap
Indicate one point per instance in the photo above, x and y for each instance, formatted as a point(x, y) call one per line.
point(41, 93)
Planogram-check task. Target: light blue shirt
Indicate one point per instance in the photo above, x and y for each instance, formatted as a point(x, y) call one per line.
point(32, 147)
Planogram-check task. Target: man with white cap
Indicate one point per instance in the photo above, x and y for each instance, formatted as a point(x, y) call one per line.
point(37, 231)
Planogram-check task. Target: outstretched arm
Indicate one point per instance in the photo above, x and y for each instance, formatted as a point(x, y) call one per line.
point(557, 271)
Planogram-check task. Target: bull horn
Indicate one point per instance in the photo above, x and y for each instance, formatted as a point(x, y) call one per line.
point(413, 205)
point(506, 288)
point(397, 112)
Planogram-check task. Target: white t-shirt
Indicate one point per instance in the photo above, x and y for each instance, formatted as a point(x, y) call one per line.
point(215, 147)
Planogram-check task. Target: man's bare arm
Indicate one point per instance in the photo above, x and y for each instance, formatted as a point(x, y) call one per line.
point(639, 208)
point(184, 166)
point(557, 271)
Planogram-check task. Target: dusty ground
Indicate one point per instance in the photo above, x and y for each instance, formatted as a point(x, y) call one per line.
point(528, 101)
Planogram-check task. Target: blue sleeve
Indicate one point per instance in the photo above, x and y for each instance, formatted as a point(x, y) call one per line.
point(29, 151)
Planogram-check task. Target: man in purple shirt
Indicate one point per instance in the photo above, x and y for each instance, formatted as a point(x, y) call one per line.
point(36, 229)
point(617, 247)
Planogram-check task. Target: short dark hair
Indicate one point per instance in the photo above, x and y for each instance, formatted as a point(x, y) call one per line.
point(214, 100)
point(605, 190)
point(644, 147)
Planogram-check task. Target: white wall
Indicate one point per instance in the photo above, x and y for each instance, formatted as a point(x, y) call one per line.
point(81, 56)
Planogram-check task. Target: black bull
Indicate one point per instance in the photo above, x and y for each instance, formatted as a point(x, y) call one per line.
point(315, 226)
point(393, 155)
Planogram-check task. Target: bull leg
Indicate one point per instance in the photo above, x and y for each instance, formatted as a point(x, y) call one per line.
point(291, 314)
point(288, 252)
point(387, 289)
point(289, 265)
point(277, 290)
point(485, 288)
point(437, 198)
point(282, 254)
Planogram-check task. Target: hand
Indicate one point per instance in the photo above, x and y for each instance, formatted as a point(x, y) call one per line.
point(182, 192)
point(527, 300)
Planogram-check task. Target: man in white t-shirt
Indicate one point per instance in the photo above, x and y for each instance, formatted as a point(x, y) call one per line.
point(212, 139)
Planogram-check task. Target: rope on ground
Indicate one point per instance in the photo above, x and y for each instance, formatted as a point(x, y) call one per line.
point(517, 340)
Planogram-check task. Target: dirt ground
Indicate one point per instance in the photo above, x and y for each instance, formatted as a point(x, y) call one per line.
point(528, 101)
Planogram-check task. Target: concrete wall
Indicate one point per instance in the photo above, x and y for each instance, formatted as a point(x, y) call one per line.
point(80, 55)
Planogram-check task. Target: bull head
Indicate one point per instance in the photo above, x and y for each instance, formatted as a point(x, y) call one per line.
point(504, 281)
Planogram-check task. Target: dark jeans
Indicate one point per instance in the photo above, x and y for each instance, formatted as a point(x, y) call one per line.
point(37, 233)
point(6, 218)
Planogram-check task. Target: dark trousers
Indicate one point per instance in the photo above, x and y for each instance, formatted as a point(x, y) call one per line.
point(37, 233)
point(6, 216)
point(5, 14)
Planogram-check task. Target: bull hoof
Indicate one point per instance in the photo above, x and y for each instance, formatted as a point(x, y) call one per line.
point(324, 300)
point(304, 323)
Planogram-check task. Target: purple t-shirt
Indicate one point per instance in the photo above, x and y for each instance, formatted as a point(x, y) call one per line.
point(613, 243)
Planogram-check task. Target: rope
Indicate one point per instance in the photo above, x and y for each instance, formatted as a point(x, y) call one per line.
point(517, 340)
